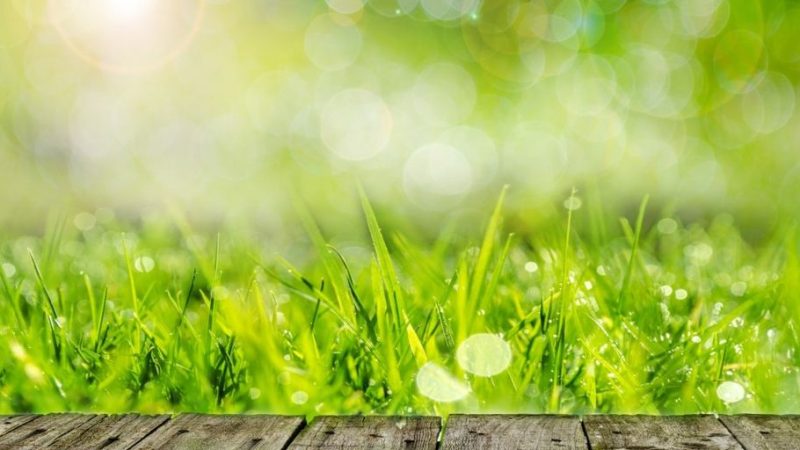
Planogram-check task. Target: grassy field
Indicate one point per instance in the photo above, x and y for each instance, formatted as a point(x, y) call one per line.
point(667, 317)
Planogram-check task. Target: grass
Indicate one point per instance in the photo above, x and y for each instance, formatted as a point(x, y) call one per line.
point(652, 318)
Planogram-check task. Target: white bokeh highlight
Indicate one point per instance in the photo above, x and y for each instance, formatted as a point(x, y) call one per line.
point(484, 354)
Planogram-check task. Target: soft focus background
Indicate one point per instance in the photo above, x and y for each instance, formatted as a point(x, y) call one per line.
point(230, 110)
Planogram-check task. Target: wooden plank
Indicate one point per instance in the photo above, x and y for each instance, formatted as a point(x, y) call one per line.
point(371, 432)
point(42, 431)
point(518, 432)
point(765, 432)
point(658, 432)
point(109, 432)
point(8, 423)
point(196, 431)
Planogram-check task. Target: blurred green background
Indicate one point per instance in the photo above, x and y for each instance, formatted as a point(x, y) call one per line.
point(230, 110)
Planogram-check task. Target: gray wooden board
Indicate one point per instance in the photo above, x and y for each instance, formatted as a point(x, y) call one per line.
point(42, 431)
point(8, 423)
point(369, 432)
point(223, 432)
point(109, 432)
point(523, 432)
point(757, 432)
point(658, 432)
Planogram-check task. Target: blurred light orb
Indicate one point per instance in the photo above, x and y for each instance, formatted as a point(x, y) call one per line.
point(588, 88)
point(332, 45)
point(9, 270)
point(299, 397)
point(436, 383)
point(444, 94)
point(737, 57)
point(84, 221)
point(355, 124)
point(129, 10)
point(128, 36)
point(437, 174)
point(484, 354)
point(144, 264)
point(573, 203)
point(346, 6)
point(770, 105)
point(477, 147)
point(449, 9)
point(730, 392)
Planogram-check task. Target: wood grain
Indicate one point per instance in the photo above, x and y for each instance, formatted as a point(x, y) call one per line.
point(8, 423)
point(372, 432)
point(522, 432)
point(658, 433)
point(758, 432)
point(109, 432)
point(223, 432)
point(43, 431)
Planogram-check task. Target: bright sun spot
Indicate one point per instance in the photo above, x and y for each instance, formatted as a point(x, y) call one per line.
point(484, 354)
point(128, 10)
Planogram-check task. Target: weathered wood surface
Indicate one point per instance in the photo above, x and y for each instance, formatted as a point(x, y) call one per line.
point(514, 432)
point(194, 431)
point(42, 432)
point(8, 423)
point(110, 432)
point(656, 433)
point(765, 432)
point(371, 432)
point(520, 432)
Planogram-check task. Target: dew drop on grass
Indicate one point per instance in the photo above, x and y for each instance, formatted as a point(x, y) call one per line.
point(531, 267)
point(573, 203)
point(484, 354)
point(666, 290)
point(681, 294)
point(730, 392)
point(772, 334)
point(144, 264)
point(696, 339)
point(299, 397)
point(9, 270)
point(436, 383)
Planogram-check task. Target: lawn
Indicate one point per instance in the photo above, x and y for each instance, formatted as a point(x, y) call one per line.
point(650, 315)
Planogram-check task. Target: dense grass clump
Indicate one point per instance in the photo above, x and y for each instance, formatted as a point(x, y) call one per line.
point(661, 318)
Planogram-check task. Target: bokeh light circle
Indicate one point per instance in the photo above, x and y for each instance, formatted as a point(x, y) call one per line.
point(437, 384)
point(484, 354)
point(127, 36)
point(355, 124)
point(332, 45)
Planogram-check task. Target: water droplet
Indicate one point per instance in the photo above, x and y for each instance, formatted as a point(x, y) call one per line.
point(696, 339)
point(681, 294)
point(730, 392)
point(666, 290)
point(144, 264)
point(573, 203)
point(436, 383)
point(299, 397)
point(531, 267)
point(484, 354)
